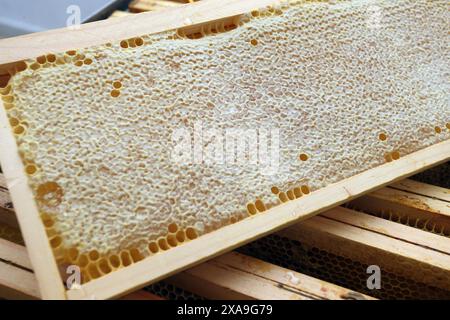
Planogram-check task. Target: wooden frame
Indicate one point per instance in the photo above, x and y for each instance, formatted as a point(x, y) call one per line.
point(100, 32)
point(207, 246)
point(231, 276)
point(236, 276)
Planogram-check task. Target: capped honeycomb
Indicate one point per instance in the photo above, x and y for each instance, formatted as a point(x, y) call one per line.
point(123, 143)
point(338, 269)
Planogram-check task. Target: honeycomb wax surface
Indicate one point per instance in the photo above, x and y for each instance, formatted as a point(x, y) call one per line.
point(334, 88)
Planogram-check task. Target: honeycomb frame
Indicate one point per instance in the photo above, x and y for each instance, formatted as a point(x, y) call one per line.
point(290, 212)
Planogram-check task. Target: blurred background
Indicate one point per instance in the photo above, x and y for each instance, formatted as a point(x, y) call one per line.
point(18, 17)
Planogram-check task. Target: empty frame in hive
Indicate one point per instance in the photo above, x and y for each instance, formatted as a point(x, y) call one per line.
point(117, 152)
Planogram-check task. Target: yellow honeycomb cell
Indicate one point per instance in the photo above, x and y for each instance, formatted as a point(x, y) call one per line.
point(251, 209)
point(172, 227)
point(153, 247)
point(162, 244)
point(172, 240)
point(83, 261)
point(290, 194)
point(395, 155)
point(114, 261)
point(275, 190)
point(93, 271)
point(117, 84)
point(260, 205)
point(181, 236)
point(51, 58)
point(125, 258)
point(30, 169)
point(191, 233)
point(136, 255)
point(94, 255)
point(72, 255)
point(115, 93)
point(104, 266)
point(41, 59)
point(283, 197)
point(305, 189)
point(303, 157)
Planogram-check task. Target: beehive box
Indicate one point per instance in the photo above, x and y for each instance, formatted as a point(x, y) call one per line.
point(90, 136)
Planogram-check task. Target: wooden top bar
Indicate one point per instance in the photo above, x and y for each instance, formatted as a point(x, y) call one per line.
point(109, 30)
